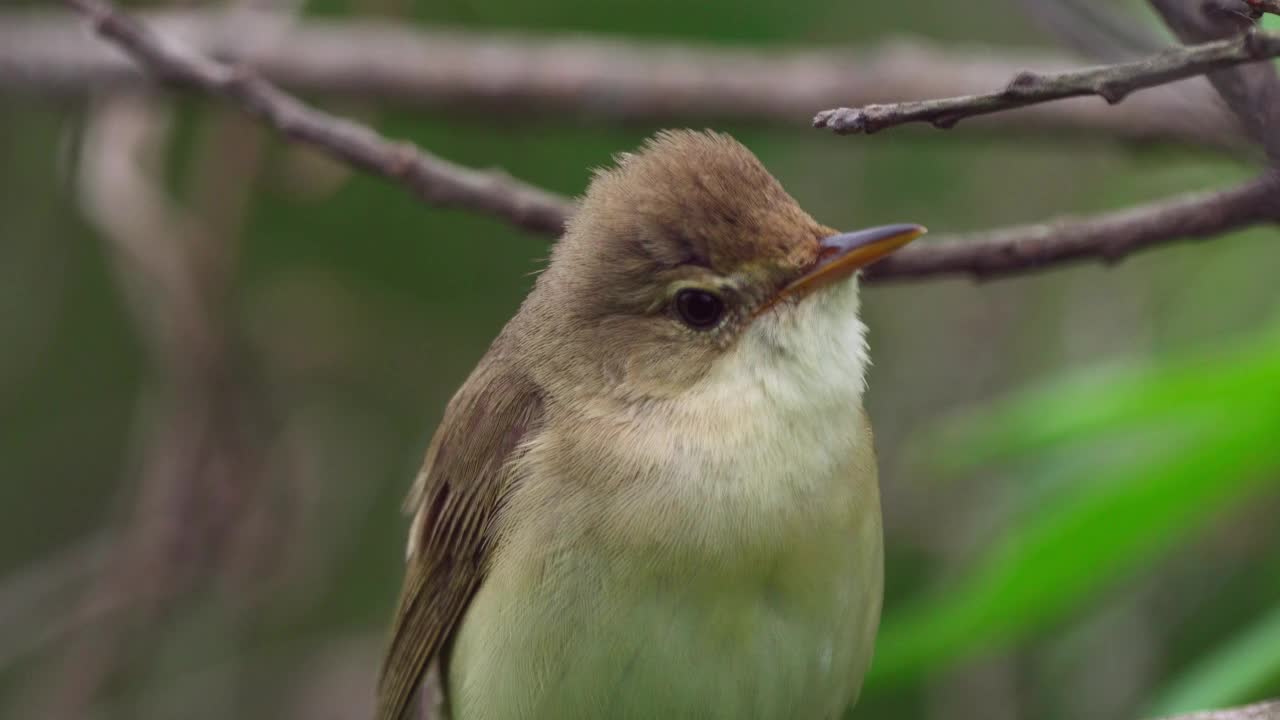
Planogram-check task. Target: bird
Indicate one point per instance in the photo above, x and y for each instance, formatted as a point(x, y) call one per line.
point(656, 495)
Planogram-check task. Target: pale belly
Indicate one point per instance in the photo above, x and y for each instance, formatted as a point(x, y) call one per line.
point(577, 634)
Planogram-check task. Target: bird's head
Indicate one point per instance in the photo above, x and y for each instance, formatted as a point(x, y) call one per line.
point(688, 252)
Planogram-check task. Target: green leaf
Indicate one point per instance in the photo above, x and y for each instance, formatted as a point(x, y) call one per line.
point(1237, 673)
point(1101, 404)
point(1062, 556)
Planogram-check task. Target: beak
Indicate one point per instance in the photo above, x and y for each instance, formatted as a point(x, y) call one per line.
point(840, 256)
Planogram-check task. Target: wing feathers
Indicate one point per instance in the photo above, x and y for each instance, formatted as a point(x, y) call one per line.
point(456, 500)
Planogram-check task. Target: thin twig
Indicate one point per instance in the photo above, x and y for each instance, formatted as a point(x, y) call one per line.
point(1110, 82)
point(1252, 91)
point(490, 77)
point(435, 180)
point(1104, 31)
point(1107, 237)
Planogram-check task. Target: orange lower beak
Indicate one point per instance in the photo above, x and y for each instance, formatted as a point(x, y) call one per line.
point(840, 256)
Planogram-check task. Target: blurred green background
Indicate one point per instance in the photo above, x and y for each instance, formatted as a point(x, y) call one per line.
point(1081, 469)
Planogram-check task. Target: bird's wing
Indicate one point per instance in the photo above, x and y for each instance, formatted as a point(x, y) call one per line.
point(455, 502)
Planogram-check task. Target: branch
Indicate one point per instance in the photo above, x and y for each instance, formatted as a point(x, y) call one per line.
point(435, 180)
point(1252, 91)
point(1106, 237)
point(1110, 82)
point(518, 76)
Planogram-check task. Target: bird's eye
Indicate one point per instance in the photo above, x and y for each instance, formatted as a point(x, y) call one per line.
point(699, 309)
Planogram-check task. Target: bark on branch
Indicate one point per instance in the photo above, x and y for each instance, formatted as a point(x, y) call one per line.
point(434, 179)
point(522, 76)
point(1108, 237)
point(1112, 83)
point(1252, 91)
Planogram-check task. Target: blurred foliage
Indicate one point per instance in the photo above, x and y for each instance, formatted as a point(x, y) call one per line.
point(1246, 667)
point(1089, 531)
point(1200, 434)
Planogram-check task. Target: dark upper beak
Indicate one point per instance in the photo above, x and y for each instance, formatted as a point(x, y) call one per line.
point(840, 256)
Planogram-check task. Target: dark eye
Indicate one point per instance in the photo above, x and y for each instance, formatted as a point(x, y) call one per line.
point(699, 309)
